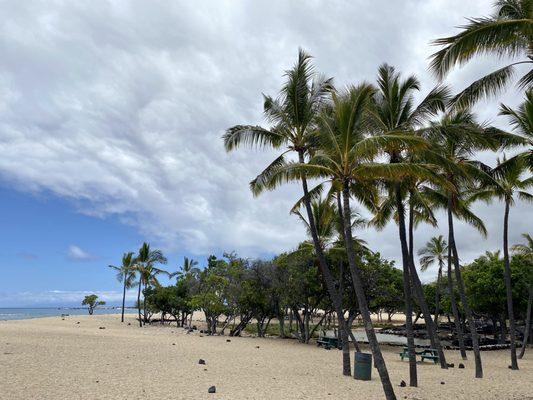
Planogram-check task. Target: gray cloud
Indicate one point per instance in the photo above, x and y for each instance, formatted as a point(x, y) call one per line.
point(120, 106)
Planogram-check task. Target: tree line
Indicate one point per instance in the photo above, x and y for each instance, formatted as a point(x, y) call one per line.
point(372, 143)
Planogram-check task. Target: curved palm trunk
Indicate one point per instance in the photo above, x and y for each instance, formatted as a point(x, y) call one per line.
point(413, 379)
point(462, 294)
point(431, 327)
point(123, 297)
point(508, 288)
point(527, 331)
point(328, 277)
point(379, 361)
point(455, 312)
point(139, 303)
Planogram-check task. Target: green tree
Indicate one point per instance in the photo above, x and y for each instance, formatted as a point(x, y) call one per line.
point(394, 113)
point(434, 252)
point(293, 116)
point(146, 259)
point(509, 184)
point(526, 250)
point(91, 301)
point(457, 136)
point(126, 275)
point(345, 158)
point(507, 33)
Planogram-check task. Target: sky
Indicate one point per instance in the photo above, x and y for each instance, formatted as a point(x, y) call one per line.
point(111, 117)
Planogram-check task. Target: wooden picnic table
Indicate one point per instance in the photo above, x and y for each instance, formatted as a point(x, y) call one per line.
point(425, 354)
point(328, 342)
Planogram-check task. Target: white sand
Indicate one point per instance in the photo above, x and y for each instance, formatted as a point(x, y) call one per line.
point(49, 358)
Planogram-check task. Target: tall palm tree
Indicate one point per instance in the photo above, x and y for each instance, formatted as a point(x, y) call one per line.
point(507, 33)
point(526, 250)
point(146, 260)
point(434, 252)
point(345, 158)
point(292, 116)
point(394, 112)
point(457, 136)
point(126, 275)
point(508, 185)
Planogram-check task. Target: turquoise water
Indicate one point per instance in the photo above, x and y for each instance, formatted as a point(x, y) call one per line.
point(27, 313)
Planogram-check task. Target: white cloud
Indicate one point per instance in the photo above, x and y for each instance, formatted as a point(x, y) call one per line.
point(120, 107)
point(75, 253)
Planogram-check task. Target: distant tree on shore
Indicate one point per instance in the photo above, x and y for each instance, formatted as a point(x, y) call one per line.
point(91, 301)
point(126, 275)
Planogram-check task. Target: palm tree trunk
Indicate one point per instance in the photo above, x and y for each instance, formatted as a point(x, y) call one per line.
point(379, 361)
point(508, 288)
point(124, 297)
point(413, 379)
point(341, 283)
point(327, 275)
point(462, 293)
point(431, 328)
point(453, 303)
point(527, 330)
point(437, 297)
point(139, 302)
point(144, 305)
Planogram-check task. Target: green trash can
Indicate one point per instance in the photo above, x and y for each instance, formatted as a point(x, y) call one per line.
point(363, 366)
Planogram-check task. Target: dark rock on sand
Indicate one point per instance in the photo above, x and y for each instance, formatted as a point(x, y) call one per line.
point(201, 361)
point(212, 389)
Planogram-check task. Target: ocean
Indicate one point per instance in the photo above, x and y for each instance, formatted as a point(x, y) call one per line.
point(27, 313)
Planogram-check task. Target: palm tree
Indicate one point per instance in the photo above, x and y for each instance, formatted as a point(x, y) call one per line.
point(526, 250)
point(507, 33)
point(293, 118)
point(126, 275)
point(147, 272)
point(393, 112)
point(508, 185)
point(435, 251)
point(457, 136)
point(345, 158)
point(189, 268)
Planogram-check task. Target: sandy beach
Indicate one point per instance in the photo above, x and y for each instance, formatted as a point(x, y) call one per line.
point(51, 358)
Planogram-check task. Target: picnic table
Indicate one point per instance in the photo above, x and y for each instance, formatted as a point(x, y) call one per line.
point(328, 342)
point(425, 354)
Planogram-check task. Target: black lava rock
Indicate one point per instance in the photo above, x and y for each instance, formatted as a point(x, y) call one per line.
point(403, 384)
point(201, 361)
point(442, 383)
point(212, 389)
point(461, 366)
point(102, 327)
point(227, 340)
point(451, 365)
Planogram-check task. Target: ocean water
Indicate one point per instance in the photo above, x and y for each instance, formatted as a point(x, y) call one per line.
point(27, 313)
